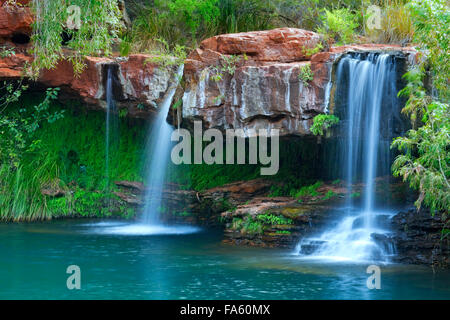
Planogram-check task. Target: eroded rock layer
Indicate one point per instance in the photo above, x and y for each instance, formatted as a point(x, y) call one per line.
point(267, 79)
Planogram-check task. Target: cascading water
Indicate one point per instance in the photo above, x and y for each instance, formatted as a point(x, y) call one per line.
point(158, 150)
point(157, 155)
point(369, 85)
point(111, 124)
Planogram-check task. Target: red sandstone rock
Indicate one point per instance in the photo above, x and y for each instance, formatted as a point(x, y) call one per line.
point(265, 90)
point(87, 85)
point(14, 20)
point(12, 67)
point(283, 45)
point(138, 82)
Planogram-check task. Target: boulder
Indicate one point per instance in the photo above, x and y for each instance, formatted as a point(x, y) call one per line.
point(280, 45)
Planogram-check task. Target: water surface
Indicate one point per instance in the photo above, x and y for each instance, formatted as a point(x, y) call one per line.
point(187, 264)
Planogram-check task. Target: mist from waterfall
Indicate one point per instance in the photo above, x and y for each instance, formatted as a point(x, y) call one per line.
point(370, 85)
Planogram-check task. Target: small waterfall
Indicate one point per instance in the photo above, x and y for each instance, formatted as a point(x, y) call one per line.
point(112, 124)
point(158, 151)
point(368, 86)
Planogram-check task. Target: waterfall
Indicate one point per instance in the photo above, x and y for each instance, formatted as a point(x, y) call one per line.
point(157, 156)
point(158, 151)
point(111, 137)
point(367, 84)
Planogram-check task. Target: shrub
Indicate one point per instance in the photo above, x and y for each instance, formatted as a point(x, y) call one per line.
point(100, 26)
point(306, 191)
point(306, 75)
point(396, 24)
point(425, 159)
point(339, 25)
point(271, 219)
point(186, 22)
point(322, 122)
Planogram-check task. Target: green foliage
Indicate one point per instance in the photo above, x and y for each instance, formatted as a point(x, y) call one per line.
point(432, 24)
point(306, 75)
point(228, 65)
point(425, 160)
point(24, 169)
point(330, 194)
point(286, 232)
point(322, 122)
point(258, 224)
point(99, 27)
point(271, 219)
point(18, 128)
point(183, 214)
point(88, 204)
point(179, 22)
point(186, 22)
point(6, 52)
point(308, 191)
point(313, 51)
point(396, 24)
point(47, 151)
point(339, 25)
point(165, 57)
point(252, 226)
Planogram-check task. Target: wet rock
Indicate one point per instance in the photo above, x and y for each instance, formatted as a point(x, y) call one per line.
point(418, 238)
point(276, 222)
point(53, 190)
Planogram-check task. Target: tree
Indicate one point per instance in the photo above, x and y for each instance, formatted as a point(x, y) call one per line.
point(425, 161)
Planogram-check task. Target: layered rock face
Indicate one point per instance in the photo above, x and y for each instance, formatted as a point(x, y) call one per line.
point(252, 80)
point(139, 84)
point(262, 79)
